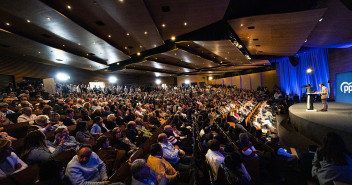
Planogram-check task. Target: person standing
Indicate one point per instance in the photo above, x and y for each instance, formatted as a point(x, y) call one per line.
point(324, 96)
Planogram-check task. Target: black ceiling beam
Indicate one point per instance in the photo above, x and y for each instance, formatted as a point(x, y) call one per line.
point(135, 58)
point(165, 62)
point(151, 69)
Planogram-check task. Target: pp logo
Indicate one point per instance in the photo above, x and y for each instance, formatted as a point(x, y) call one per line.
point(346, 87)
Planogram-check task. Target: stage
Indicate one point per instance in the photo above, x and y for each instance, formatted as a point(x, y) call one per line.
point(315, 125)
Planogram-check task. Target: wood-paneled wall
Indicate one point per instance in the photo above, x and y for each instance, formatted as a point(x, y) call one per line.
point(340, 61)
point(249, 81)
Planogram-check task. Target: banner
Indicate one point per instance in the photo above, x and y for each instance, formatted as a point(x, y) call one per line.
point(49, 85)
point(344, 87)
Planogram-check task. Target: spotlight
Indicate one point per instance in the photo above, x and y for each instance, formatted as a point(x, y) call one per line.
point(62, 77)
point(112, 79)
point(210, 78)
point(138, 53)
point(309, 70)
point(158, 81)
point(173, 38)
point(187, 81)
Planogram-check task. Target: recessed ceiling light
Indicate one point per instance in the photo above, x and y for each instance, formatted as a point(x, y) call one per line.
point(321, 19)
point(117, 63)
point(121, 1)
point(140, 46)
point(8, 24)
point(128, 34)
point(69, 7)
point(79, 43)
point(185, 23)
point(154, 45)
point(173, 38)
point(39, 52)
point(241, 24)
point(28, 20)
point(163, 25)
point(125, 47)
point(145, 33)
point(93, 42)
point(188, 45)
point(138, 53)
point(63, 45)
point(48, 18)
point(109, 36)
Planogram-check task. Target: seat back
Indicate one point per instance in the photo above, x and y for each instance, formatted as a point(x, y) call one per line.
point(26, 176)
point(122, 173)
point(252, 166)
point(65, 157)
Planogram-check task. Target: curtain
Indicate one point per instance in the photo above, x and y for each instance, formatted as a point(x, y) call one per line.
point(293, 78)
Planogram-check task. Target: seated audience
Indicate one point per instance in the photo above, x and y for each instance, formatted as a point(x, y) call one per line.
point(332, 161)
point(122, 143)
point(134, 135)
point(274, 144)
point(3, 112)
point(36, 149)
point(27, 116)
point(233, 172)
point(98, 127)
point(9, 162)
point(159, 165)
point(86, 168)
point(41, 123)
point(214, 157)
point(68, 121)
point(139, 126)
point(143, 175)
point(110, 122)
point(173, 154)
point(82, 133)
point(61, 133)
point(85, 115)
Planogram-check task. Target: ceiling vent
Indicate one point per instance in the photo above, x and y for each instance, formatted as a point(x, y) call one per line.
point(46, 35)
point(100, 23)
point(165, 8)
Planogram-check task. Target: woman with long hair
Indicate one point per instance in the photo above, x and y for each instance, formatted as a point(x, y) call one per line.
point(36, 149)
point(122, 143)
point(332, 161)
point(81, 132)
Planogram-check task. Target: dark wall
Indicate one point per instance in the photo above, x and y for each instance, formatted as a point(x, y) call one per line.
point(340, 61)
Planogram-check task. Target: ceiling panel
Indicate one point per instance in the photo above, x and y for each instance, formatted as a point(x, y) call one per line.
point(162, 66)
point(276, 34)
point(142, 73)
point(93, 18)
point(39, 22)
point(183, 16)
point(226, 50)
point(334, 31)
point(135, 18)
point(192, 59)
point(37, 52)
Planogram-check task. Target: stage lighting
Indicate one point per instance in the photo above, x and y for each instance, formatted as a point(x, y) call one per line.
point(112, 79)
point(158, 81)
point(187, 82)
point(62, 76)
point(309, 70)
point(210, 78)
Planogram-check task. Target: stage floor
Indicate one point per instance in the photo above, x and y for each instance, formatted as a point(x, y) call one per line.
point(338, 116)
point(315, 125)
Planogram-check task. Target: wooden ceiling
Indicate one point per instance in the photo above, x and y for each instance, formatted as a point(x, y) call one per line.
point(134, 36)
point(276, 34)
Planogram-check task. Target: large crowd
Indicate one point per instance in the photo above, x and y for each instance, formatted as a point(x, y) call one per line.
point(103, 127)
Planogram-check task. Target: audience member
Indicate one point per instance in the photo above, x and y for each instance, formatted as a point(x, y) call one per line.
point(9, 162)
point(143, 175)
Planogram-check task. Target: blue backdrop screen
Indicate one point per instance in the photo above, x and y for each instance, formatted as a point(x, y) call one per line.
point(344, 87)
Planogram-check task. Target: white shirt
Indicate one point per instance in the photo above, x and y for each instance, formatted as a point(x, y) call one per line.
point(24, 118)
point(214, 159)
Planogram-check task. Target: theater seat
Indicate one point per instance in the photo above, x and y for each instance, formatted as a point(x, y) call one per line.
point(122, 173)
point(26, 176)
point(65, 157)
